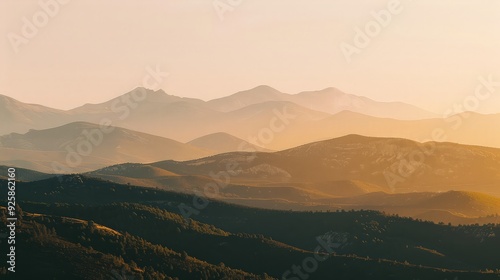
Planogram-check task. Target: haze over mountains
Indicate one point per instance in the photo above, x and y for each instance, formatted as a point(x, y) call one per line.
point(290, 151)
point(82, 147)
point(272, 159)
point(223, 143)
point(262, 115)
point(329, 100)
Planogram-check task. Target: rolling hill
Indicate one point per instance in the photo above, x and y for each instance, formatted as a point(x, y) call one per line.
point(79, 147)
point(459, 203)
point(223, 143)
point(451, 206)
point(16, 116)
point(23, 174)
point(84, 249)
point(400, 165)
point(110, 220)
point(349, 172)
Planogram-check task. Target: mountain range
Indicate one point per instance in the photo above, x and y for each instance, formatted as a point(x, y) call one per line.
point(81, 147)
point(350, 172)
point(95, 229)
point(263, 116)
point(244, 187)
point(400, 164)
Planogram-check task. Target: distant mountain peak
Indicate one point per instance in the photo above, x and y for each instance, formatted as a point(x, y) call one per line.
point(149, 92)
point(160, 91)
point(260, 91)
point(265, 87)
point(326, 90)
point(256, 95)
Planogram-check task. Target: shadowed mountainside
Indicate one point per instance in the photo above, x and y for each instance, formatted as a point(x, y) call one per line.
point(110, 220)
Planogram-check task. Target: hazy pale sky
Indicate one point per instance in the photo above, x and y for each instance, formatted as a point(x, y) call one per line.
point(430, 53)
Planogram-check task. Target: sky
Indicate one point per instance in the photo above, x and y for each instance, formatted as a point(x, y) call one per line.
point(428, 53)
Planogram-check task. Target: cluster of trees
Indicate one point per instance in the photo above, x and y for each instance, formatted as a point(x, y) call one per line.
point(84, 246)
point(147, 237)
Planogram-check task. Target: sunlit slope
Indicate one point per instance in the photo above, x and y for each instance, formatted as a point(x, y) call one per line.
point(394, 164)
